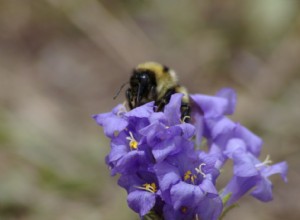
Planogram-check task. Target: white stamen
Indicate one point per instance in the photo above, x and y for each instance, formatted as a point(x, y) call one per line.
point(266, 162)
point(149, 188)
point(131, 138)
point(199, 170)
point(133, 144)
point(184, 118)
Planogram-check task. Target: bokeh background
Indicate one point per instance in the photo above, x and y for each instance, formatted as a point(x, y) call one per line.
point(63, 60)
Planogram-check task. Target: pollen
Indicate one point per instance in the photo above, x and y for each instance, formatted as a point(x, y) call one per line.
point(150, 187)
point(133, 144)
point(189, 176)
point(183, 209)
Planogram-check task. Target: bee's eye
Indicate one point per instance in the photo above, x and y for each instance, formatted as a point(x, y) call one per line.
point(144, 78)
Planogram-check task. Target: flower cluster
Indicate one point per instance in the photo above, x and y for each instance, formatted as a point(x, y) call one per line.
point(169, 168)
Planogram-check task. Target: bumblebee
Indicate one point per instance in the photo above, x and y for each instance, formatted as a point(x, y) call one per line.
point(152, 81)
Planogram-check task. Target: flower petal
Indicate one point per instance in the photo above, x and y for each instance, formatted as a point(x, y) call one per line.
point(141, 201)
point(244, 165)
point(172, 109)
point(111, 123)
point(187, 195)
point(235, 145)
point(280, 168)
point(253, 142)
point(238, 186)
point(165, 148)
point(230, 95)
point(143, 111)
point(131, 162)
point(210, 207)
point(198, 122)
point(263, 190)
point(187, 129)
point(167, 176)
point(211, 106)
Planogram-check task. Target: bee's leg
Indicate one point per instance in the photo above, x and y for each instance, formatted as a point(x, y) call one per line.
point(152, 96)
point(129, 98)
point(165, 99)
point(152, 93)
point(185, 112)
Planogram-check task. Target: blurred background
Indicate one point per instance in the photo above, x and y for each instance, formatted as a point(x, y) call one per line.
point(62, 61)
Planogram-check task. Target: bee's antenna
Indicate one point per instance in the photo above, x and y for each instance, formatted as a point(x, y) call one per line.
point(120, 90)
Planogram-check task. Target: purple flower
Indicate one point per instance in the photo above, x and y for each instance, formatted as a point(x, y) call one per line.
point(118, 119)
point(128, 150)
point(187, 183)
point(164, 125)
point(249, 172)
point(112, 121)
point(125, 156)
point(224, 130)
point(142, 136)
point(212, 124)
point(162, 168)
point(215, 106)
point(166, 134)
point(143, 191)
point(211, 108)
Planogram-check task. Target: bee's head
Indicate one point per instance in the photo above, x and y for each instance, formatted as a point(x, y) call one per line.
point(143, 84)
